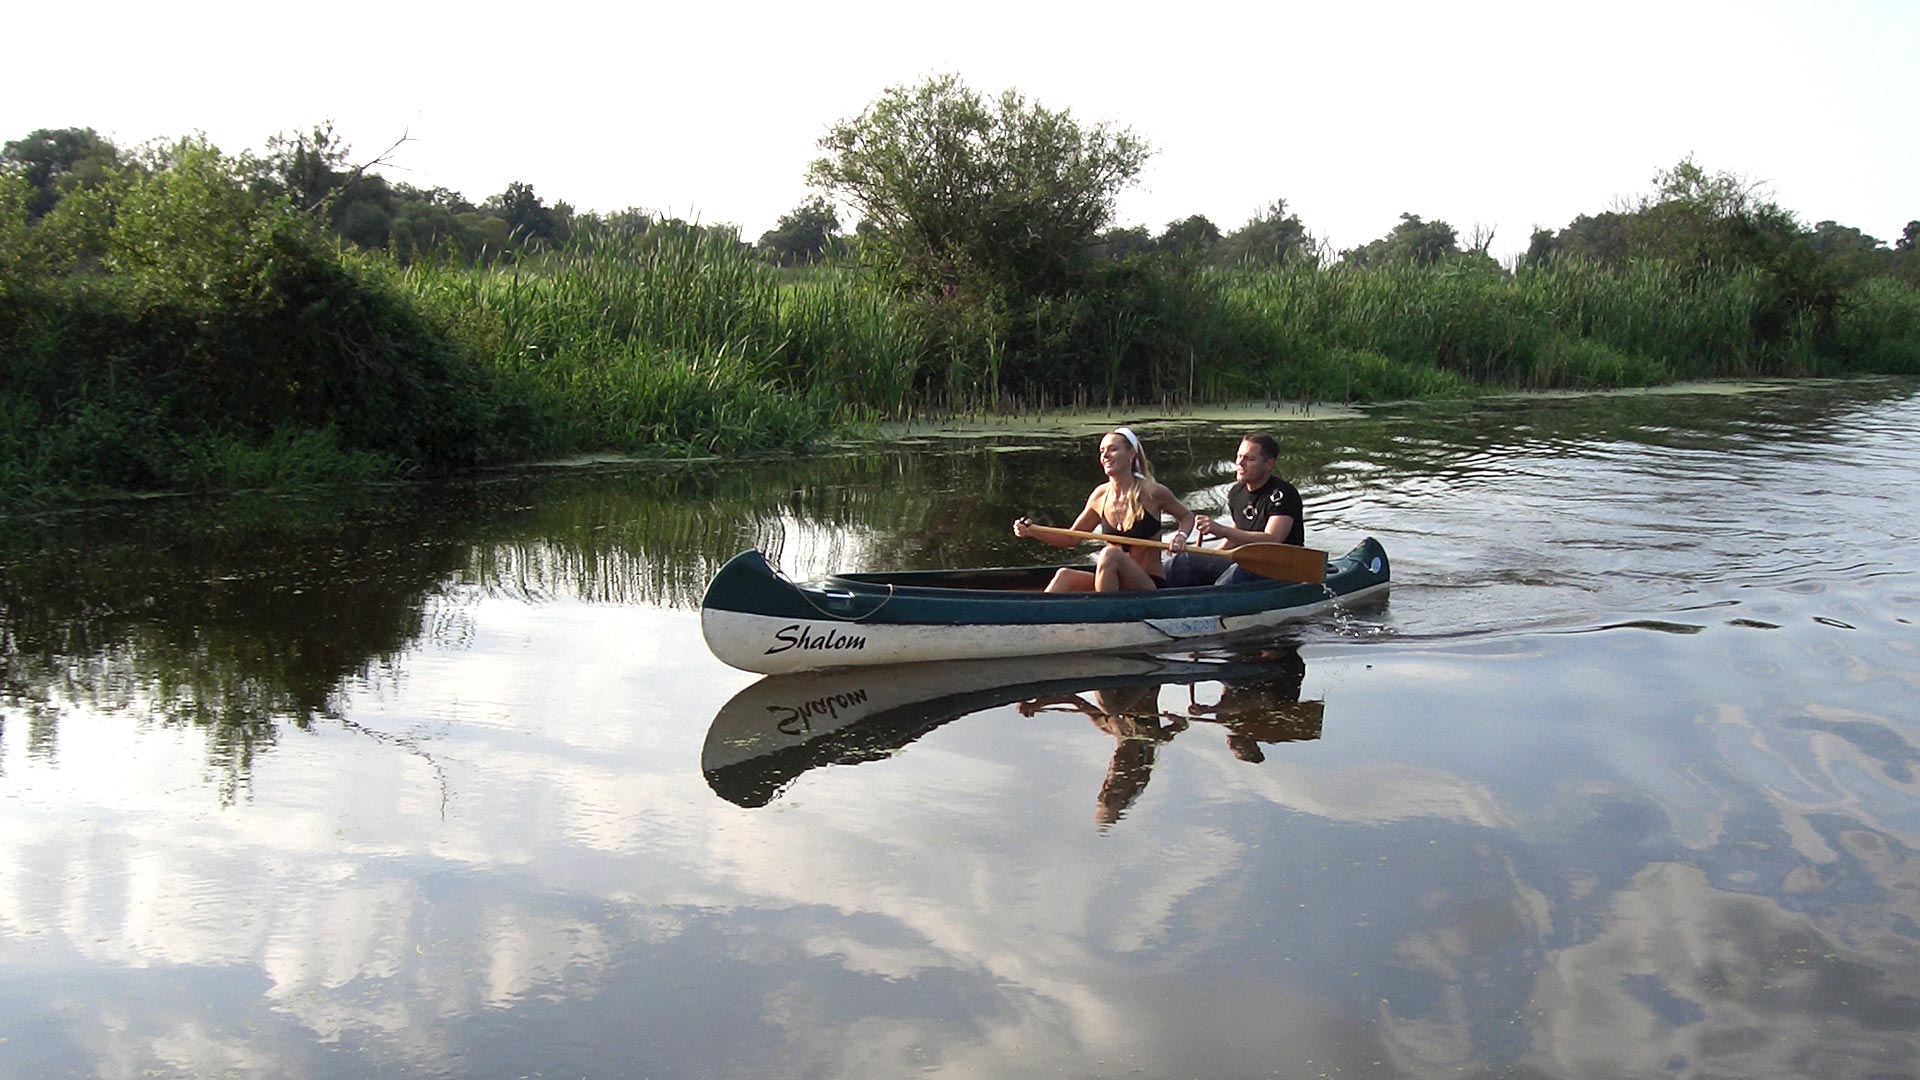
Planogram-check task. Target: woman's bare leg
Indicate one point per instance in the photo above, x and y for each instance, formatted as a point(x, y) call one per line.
point(1065, 580)
point(1115, 571)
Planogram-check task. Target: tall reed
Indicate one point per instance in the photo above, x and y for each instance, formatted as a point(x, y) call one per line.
point(1567, 324)
point(677, 338)
point(671, 336)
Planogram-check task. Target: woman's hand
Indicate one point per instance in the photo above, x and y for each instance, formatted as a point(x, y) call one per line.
point(1177, 543)
point(1020, 527)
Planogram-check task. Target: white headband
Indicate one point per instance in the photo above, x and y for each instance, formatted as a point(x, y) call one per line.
point(1134, 441)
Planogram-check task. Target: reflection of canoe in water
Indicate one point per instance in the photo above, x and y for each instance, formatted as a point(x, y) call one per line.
point(757, 620)
point(783, 725)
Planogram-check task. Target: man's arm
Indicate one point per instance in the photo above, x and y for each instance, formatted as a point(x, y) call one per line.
point(1277, 529)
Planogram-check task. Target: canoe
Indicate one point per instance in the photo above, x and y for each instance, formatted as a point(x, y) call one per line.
point(756, 619)
point(779, 728)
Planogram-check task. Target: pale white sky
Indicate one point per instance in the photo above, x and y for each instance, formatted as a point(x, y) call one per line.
point(1501, 115)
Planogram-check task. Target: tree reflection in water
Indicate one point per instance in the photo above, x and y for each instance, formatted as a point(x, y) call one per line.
point(246, 615)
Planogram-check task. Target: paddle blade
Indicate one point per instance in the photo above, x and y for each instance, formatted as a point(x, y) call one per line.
point(1282, 562)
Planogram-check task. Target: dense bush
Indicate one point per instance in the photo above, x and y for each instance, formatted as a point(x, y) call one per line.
point(153, 324)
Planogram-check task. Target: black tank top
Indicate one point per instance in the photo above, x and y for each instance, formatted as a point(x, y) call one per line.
point(1147, 528)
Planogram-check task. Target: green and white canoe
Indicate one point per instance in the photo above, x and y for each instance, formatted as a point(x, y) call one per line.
point(758, 620)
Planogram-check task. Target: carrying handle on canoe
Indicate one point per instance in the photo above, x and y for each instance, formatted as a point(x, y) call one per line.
point(1282, 562)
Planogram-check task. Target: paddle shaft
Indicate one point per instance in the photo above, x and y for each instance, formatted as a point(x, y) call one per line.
point(1285, 562)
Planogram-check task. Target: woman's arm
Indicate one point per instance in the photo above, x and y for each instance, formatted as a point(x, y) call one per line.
point(1171, 506)
point(1089, 516)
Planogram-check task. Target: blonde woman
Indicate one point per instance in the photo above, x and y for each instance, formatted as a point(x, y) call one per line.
point(1130, 503)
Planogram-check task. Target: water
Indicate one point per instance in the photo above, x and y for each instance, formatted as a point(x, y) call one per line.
point(442, 781)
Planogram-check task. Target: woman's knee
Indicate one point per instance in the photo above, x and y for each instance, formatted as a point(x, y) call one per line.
point(1069, 581)
point(1114, 570)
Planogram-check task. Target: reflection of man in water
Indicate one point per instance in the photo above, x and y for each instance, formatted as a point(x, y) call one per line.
point(1265, 709)
point(1132, 716)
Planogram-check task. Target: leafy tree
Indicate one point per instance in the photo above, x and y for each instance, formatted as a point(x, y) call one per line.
point(1700, 222)
point(421, 228)
point(563, 218)
point(1117, 245)
point(16, 235)
point(55, 161)
point(367, 221)
point(1906, 254)
point(1835, 240)
point(1270, 238)
point(311, 170)
point(1193, 236)
point(1852, 254)
point(526, 215)
point(486, 232)
point(966, 192)
point(1603, 238)
point(1541, 248)
point(192, 231)
point(805, 235)
point(1422, 243)
point(308, 167)
point(632, 221)
point(1696, 219)
point(439, 196)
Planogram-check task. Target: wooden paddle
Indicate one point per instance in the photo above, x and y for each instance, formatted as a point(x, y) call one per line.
point(1282, 562)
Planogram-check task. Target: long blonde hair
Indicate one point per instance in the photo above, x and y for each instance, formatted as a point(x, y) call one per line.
point(1132, 508)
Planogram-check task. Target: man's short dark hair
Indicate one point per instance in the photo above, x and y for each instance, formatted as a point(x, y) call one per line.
point(1268, 444)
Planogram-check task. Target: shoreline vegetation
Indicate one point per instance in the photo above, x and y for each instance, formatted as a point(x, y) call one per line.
point(183, 320)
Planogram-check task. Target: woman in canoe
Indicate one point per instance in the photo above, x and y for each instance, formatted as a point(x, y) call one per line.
point(1130, 503)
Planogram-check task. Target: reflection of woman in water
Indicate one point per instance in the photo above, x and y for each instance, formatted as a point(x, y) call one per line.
point(1132, 716)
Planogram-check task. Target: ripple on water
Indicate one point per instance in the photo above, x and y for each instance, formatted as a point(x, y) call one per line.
point(1557, 783)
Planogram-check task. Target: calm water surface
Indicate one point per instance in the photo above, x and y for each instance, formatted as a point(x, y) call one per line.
point(442, 780)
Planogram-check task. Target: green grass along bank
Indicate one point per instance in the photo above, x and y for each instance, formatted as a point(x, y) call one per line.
point(186, 341)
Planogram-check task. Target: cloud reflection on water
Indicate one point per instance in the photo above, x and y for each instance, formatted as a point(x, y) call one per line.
point(474, 834)
point(403, 916)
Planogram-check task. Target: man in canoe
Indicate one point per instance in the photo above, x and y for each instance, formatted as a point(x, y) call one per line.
point(1261, 508)
point(1130, 503)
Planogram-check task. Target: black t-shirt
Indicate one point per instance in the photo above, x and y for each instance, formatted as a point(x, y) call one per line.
point(1275, 498)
